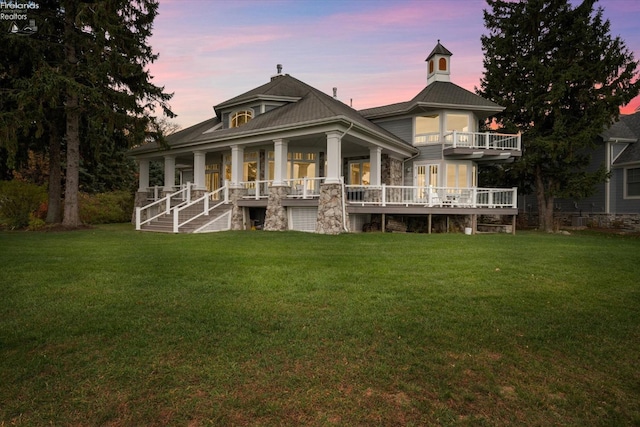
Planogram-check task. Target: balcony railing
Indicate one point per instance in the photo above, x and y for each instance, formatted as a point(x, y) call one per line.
point(303, 188)
point(475, 140)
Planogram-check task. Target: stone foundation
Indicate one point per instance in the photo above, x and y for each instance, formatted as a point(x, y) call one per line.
point(276, 216)
point(330, 213)
point(237, 212)
point(626, 222)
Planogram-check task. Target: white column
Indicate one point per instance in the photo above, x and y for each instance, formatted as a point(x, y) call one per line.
point(237, 163)
point(199, 158)
point(143, 172)
point(334, 158)
point(280, 148)
point(169, 173)
point(375, 165)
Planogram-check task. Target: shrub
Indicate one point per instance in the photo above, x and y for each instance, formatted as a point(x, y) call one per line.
point(105, 208)
point(19, 200)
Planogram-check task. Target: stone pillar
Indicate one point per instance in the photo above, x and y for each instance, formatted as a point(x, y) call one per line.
point(280, 148)
point(169, 174)
point(237, 163)
point(276, 216)
point(331, 215)
point(237, 212)
point(199, 164)
point(334, 157)
point(375, 166)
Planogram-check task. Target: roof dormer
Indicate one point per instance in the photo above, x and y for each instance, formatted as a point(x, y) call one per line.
point(439, 64)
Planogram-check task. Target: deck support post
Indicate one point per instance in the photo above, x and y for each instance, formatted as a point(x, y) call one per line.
point(474, 223)
point(513, 225)
point(383, 225)
point(429, 224)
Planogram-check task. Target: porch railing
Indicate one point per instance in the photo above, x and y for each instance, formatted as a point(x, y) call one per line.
point(305, 188)
point(163, 206)
point(221, 196)
point(384, 195)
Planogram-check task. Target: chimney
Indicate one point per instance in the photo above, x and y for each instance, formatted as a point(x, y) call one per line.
point(279, 68)
point(335, 92)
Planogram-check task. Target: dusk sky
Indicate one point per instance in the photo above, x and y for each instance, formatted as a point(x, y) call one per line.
point(373, 51)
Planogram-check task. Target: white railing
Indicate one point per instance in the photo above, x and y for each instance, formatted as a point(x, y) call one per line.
point(256, 189)
point(162, 206)
point(221, 195)
point(474, 197)
point(305, 188)
point(483, 140)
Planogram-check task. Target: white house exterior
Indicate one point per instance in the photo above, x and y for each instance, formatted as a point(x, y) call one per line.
point(286, 156)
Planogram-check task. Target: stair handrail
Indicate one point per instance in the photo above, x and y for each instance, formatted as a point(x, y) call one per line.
point(167, 200)
point(206, 207)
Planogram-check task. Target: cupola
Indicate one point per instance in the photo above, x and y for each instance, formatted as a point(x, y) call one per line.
point(439, 64)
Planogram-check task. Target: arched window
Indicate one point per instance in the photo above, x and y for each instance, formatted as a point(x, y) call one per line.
point(431, 66)
point(442, 64)
point(239, 118)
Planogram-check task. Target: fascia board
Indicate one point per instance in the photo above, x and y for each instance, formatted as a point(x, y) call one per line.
point(264, 98)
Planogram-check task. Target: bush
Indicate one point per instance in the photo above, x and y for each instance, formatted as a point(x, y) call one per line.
point(19, 200)
point(105, 208)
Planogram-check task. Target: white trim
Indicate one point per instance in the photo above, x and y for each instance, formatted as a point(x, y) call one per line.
point(625, 184)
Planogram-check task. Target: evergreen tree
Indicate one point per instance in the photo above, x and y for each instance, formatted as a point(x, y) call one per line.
point(562, 77)
point(83, 76)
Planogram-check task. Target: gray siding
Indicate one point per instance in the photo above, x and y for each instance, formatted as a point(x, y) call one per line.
point(620, 205)
point(402, 128)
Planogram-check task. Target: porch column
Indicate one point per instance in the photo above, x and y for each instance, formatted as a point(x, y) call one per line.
point(143, 172)
point(375, 166)
point(169, 173)
point(334, 158)
point(199, 170)
point(280, 148)
point(237, 163)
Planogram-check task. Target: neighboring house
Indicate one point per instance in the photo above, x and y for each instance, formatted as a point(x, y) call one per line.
point(286, 156)
point(616, 202)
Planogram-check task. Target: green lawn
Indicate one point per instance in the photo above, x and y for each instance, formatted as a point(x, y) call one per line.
point(113, 327)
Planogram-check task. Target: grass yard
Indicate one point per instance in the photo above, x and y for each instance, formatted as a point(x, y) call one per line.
point(113, 327)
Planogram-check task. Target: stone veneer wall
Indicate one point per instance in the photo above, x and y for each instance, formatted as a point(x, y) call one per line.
point(237, 212)
point(391, 173)
point(629, 222)
point(330, 212)
point(276, 216)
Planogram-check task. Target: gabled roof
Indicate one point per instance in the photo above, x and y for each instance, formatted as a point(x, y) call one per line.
point(281, 87)
point(435, 96)
point(627, 129)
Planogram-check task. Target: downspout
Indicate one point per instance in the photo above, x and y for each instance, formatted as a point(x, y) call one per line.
point(344, 193)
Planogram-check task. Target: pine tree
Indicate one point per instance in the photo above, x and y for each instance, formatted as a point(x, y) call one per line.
point(562, 77)
point(86, 80)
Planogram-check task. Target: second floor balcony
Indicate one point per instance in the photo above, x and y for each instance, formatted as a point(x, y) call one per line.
point(480, 146)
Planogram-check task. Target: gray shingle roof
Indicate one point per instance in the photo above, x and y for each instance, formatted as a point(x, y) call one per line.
point(437, 95)
point(627, 128)
point(439, 50)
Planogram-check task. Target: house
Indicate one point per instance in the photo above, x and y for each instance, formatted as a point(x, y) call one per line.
point(286, 156)
point(616, 202)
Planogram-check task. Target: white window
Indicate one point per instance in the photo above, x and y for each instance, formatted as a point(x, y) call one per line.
point(427, 130)
point(359, 172)
point(458, 175)
point(632, 183)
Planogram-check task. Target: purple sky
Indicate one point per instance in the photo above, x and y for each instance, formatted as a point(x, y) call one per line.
point(373, 51)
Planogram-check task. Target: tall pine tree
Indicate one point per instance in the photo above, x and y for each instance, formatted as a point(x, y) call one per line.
point(562, 77)
point(84, 77)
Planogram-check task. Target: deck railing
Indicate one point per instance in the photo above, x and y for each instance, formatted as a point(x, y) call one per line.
point(476, 140)
point(385, 195)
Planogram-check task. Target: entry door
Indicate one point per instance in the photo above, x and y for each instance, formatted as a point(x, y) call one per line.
point(425, 176)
